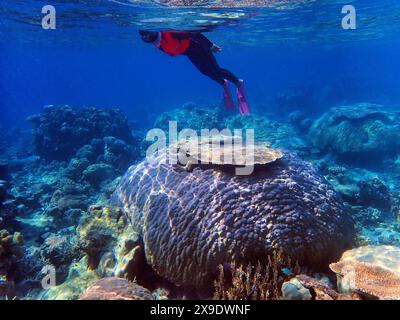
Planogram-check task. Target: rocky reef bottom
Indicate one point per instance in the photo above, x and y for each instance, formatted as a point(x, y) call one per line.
point(61, 239)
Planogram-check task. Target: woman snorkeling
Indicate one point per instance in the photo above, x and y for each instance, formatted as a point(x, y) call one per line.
point(200, 51)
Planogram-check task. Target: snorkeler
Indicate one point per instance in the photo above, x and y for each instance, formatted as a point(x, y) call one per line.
point(200, 51)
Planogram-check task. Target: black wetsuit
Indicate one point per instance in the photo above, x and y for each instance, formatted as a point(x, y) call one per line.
point(200, 54)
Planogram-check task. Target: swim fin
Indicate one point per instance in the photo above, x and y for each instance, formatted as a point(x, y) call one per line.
point(243, 105)
point(228, 101)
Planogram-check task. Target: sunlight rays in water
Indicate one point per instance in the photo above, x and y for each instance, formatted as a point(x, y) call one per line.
point(250, 22)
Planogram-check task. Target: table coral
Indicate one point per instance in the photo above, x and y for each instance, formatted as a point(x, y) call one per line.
point(372, 271)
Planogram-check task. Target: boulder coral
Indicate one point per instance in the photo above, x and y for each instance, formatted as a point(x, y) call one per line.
point(191, 222)
point(59, 131)
point(358, 133)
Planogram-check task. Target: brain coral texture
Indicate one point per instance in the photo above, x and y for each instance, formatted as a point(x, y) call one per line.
point(191, 222)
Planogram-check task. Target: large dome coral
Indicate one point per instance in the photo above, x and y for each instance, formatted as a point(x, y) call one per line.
point(191, 222)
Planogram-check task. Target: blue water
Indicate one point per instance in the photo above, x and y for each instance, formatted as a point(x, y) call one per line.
point(96, 61)
point(95, 58)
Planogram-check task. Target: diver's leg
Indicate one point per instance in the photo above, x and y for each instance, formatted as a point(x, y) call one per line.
point(242, 101)
point(226, 74)
point(205, 63)
point(228, 101)
point(243, 105)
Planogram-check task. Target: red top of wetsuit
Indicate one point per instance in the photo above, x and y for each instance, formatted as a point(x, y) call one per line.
point(175, 43)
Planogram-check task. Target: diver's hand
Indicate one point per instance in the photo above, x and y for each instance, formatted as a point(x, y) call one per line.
point(216, 48)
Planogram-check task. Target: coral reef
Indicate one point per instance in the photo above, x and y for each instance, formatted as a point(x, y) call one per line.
point(372, 199)
point(191, 222)
point(266, 130)
point(59, 250)
point(60, 131)
point(97, 173)
point(317, 289)
point(82, 152)
point(4, 177)
point(375, 193)
point(360, 134)
point(109, 150)
point(6, 288)
point(190, 116)
point(108, 240)
point(79, 278)
point(3, 191)
point(198, 223)
point(261, 281)
point(3, 170)
point(386, 233)
point(113, 288)
point(359, 187)
point(294, 290)
point(299, 121)
point(104, 245)
point(370, 271)
point(10, 252)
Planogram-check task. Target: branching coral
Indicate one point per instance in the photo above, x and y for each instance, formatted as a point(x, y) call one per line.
point(261, 281)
